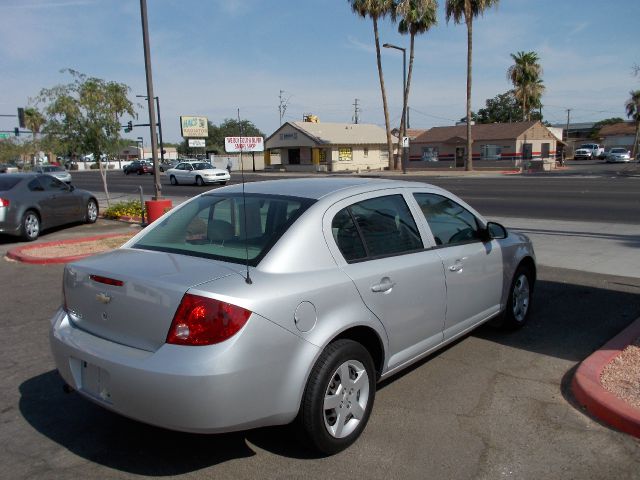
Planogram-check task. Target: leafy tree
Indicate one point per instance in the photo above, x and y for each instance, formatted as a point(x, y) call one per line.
point(632, 107)
point(417, 17)
point(377, 9)
point(228, 128)
point(467, 10)
point(84, 116)
point(33, 120)
point(525, 75)
point(11, 150)
point(503, 108)
point(595, 133)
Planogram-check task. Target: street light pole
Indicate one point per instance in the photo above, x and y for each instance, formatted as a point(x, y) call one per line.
point(404, 101)
point(152, 113)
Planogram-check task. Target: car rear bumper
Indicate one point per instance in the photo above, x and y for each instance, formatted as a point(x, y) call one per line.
point(254, 379)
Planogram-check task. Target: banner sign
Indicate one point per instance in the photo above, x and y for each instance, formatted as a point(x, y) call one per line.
point(197, 142)
point(243, 144)
point(194, 127)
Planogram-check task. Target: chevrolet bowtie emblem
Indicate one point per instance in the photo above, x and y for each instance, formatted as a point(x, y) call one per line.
point(103, 298)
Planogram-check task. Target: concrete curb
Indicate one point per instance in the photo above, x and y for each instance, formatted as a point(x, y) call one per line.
point(590, 393)
point(20, 253)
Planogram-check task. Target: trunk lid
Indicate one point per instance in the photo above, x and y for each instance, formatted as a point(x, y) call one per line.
point(130, 296)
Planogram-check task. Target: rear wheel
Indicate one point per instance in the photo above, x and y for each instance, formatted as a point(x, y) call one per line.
point(173, 180)
point(30, 226)
point(92, 211)
point(199, 181)
point(339, 396)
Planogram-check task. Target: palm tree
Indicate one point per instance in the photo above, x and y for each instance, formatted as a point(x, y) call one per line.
point(417, 16)
point(33, 120)
point(376, 9)
point(468, 10)
point(633, 111)
point(525, 75)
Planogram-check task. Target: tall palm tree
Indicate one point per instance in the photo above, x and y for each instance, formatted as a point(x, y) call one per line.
point(633, 111)
point(376, 9)
point(525, 75)
point(417, 17)
point(467, 10)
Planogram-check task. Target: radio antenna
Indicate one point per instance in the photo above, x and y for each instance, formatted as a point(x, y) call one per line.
point(244, 205)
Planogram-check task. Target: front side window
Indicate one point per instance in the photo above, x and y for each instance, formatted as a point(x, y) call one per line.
point(345, 154)
point(449, 222)
point(226, 227)
point(376, 227)
point(51, 183)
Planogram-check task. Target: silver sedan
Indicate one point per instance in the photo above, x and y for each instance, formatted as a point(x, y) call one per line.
point(287, 302)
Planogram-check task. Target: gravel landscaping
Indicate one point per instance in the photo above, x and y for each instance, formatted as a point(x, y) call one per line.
point(622, 376)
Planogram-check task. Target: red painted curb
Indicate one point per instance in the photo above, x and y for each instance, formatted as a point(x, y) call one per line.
point(590, 393)
point(19, 253)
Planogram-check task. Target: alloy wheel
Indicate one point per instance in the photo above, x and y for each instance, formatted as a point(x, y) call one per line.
point(520, 300)
point(346, 398)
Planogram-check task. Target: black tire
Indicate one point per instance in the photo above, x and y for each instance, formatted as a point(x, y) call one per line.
point(223, 183)
point(321, 425)
point(199, 181)
point(126, 172)
point(92, 211)
point(519, 301)
point(30, 227)
point(173, 180)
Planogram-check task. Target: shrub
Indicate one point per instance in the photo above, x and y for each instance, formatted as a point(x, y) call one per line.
point(124, 209)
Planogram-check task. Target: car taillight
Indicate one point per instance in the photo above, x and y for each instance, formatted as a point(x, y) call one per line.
point(4, 202)
point(205, 321)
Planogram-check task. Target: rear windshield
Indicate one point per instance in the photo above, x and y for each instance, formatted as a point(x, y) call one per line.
point(7, 182)
point(226, 227)
point(618, 150)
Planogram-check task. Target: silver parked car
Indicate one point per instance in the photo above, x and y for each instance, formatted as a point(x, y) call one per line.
point(289, 302)
point(31, 203)
point(55, 171)
point(618, 155)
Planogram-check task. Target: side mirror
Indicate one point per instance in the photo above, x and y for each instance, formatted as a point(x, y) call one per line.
point(495, 231)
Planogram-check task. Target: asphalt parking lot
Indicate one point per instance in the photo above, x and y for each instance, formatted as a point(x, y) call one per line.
point(493, 405)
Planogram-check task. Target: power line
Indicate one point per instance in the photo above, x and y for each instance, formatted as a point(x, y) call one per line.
point(415, 110)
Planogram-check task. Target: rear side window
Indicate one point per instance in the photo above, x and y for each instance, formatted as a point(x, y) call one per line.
point(375, 228)
point(449, 222)
point(226, 227)
point(7, 182)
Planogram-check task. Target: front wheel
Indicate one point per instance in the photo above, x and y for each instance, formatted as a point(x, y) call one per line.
point(199, 181)
point(173, 180)
point(30, 226)
point(519, 301)
point(339, 396)
point(92, 211)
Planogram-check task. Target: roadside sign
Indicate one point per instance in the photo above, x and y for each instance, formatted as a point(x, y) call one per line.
point(405, 142)
point(243, 144)
point(194, 127)
point(4, 136)
point(197, 142)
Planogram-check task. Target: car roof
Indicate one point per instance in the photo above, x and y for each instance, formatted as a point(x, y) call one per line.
point(317, 188)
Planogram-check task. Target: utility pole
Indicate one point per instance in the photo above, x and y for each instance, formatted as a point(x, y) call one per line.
point(150, 98)
point(356, 111)
point(408, 126)
point(566, 139)
point(282, 106)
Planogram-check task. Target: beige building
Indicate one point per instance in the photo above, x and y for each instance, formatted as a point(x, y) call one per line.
point(329, 147)
point(494, 145)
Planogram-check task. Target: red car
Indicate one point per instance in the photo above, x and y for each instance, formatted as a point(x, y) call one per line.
point(139, 167)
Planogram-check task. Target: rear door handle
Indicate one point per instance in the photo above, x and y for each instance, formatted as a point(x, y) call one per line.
point(456, 267)
point(384, 286)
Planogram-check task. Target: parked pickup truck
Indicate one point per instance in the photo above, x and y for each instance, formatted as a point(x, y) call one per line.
point(588, 151)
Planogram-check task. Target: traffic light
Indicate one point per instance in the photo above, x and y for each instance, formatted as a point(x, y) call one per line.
point(21, 118)
point(16, 132)
point(129, 126)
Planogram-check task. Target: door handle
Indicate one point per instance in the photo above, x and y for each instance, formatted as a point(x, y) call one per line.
point(456, 267)
point(384, 286)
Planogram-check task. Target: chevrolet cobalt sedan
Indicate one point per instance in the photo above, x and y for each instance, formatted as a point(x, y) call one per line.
point(287, 302)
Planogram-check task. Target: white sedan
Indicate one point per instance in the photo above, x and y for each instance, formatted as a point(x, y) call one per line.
point(199, 173)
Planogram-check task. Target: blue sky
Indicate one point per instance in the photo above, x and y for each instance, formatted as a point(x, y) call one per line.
point(211, 57)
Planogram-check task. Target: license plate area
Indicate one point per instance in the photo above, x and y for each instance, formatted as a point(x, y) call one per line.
point(94, 381)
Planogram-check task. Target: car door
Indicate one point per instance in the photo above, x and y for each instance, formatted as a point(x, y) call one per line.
point(63, 205)
point(473, 266)
point(376, 242)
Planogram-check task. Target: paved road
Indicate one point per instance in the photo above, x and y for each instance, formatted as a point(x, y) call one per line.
point(602, 196)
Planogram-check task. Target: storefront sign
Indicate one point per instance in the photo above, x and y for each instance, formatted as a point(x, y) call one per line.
point(197, 142)
point(194, 127)
point(243, 144)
